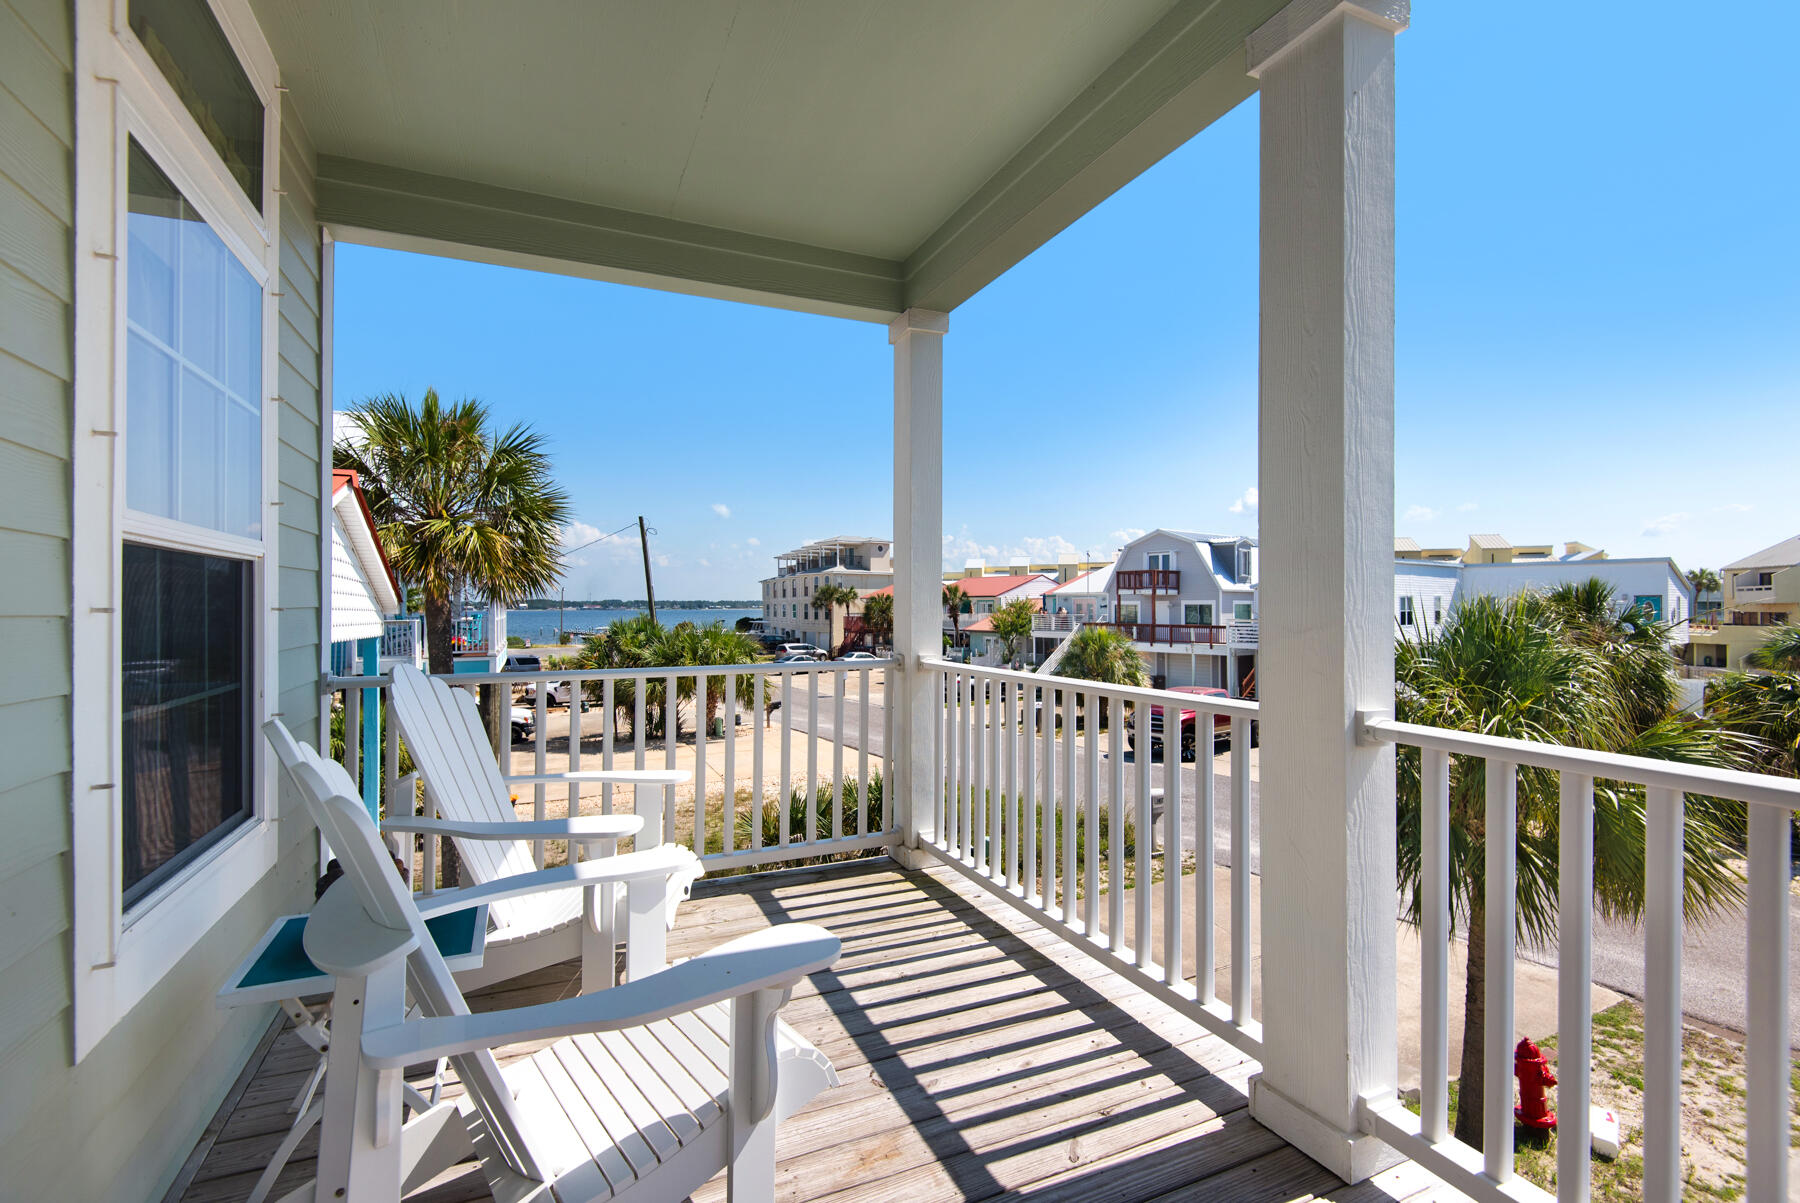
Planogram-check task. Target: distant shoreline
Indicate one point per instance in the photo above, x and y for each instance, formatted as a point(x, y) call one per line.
point(614, 603)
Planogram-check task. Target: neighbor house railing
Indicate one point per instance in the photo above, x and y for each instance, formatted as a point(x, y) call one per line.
point(403, 639)
point(1169, 632)
point(819, 731)
point(1034, 781)
point(1060, 621)
point(1488, 1174)
point(1140, 580)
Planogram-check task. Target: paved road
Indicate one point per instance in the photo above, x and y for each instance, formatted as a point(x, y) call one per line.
point(1714, 954)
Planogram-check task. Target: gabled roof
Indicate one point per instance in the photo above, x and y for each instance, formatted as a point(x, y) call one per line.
point(360, 559)
point(1782, 555)
point(1490, 542)
point(1097, 581)
point(995, 586)
point(1406, 543)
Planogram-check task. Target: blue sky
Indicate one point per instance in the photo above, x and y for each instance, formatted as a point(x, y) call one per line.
point(1598, 337)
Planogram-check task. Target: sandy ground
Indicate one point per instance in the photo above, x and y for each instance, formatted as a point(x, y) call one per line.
point(811, 760)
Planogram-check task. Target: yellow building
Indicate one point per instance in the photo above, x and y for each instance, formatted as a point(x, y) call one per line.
point(1762, 591)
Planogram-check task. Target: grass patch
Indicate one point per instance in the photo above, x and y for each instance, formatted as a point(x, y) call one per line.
point(1713, 1122)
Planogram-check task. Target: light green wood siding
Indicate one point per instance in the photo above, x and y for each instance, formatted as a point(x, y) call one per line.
point(119, 1125)
point(37, 138)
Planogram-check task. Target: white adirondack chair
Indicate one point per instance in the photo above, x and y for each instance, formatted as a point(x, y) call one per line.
point(650, 1088)
point(463, 784)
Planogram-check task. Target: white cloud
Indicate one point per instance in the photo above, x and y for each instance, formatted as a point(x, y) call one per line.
point(1047, 548)
point(576, 534)
point(1247, 503)
point(1665, 524)
point(1419, 513)
point(1127, 534)
point(706, 563)
point(1466, 507)
point(1733, 507)
point(753, 541)
point(721, 509)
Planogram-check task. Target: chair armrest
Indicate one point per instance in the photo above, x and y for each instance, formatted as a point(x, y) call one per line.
point(589, 827)
point(603, 776)
point(774, 958)
point(664, 861)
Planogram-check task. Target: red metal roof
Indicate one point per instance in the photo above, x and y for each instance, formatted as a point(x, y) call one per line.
point(993, 586)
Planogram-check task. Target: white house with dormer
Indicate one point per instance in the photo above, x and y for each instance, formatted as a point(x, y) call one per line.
point(1187, 602)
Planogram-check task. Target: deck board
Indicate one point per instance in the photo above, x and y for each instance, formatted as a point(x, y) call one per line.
point(980, 1058)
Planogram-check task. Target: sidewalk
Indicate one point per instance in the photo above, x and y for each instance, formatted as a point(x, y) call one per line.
point(1534, 986)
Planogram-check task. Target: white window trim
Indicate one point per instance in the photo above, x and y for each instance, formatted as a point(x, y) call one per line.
point(1198, 601)
point(120, 94)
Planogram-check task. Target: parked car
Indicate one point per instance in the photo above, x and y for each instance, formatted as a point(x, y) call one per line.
point(522, 722)
point(797, 658)
point(801, 649)
point(522, 662)
point(556, 693)
point(860, 656)
point(1221, 725)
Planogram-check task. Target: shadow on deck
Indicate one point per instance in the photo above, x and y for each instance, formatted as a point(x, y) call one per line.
point(978, 1061)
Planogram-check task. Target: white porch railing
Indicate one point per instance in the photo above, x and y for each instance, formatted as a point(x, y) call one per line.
point(403, 639)
point(1488, 1174)
point(1033, 784)
point(1241, 634)
point(1053, 623)
point(796, 773)
point(1034, 800)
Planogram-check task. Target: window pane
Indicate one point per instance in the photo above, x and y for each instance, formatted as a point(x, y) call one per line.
point(186, 689)
point(185, 41)
point(150, 419)
point(193, 365)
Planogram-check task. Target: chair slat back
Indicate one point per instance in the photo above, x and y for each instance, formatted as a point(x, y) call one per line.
point(443, 731)
point(332, 801)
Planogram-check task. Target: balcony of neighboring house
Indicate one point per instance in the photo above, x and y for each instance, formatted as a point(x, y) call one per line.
point(1242, 633)
point(1172, 634)
point(1057, 625)
point(403, 642)
point(1147, 580)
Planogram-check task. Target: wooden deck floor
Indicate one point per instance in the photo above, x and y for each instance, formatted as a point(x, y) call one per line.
point(978, 1061)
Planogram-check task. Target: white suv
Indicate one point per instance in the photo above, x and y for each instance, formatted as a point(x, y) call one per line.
point(800, 649)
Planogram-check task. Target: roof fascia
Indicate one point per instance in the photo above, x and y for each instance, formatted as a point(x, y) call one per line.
point(1183, 74)
point(392, 207)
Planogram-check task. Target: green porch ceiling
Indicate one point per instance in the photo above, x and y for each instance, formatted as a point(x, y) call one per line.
point(692, 146)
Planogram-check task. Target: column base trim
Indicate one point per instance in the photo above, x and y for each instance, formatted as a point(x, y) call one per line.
point(1352, 1156)
point(916, 859)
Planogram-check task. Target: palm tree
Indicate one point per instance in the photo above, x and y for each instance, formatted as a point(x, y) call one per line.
point(878, 617)
point(829, 597)
point(1780, 651)
point(1703, 580)
point(457, 505)
point(1539, 668)
point(1764, 707)
point(1102, 654)
point(954, 601)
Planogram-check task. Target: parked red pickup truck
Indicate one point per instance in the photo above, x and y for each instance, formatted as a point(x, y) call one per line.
point(1221, 724)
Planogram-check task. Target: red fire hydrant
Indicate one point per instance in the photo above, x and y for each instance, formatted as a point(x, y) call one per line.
point(1534, 1074)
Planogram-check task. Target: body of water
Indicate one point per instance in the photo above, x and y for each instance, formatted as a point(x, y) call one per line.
point(540, 626)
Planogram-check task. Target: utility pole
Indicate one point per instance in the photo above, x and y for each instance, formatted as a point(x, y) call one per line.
point(649, 590)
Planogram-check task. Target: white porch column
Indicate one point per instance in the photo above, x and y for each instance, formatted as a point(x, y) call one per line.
point(1327, 523)
point(918, 339)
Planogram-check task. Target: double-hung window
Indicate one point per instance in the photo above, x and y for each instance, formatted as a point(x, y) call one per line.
point(1197, 614)
point(1406, 611)
point(176, 130)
